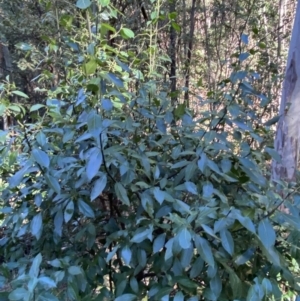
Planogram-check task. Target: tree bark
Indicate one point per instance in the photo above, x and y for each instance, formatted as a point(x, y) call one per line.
point(288, 129)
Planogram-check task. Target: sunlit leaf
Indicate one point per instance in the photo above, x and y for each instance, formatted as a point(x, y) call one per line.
point(127, 33)
point(83, 4)
point(98, 187)
point(184, 238)
point(41, 157)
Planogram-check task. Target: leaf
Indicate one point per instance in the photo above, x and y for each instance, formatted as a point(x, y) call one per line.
point(41, 157)
point(179, 297)
point(204, 250)
point(159, 195)
point(107, 105)
point(141, 234)
point(159, 242)
point(243, 56)
point(83, 4)
point(115, 80)
point(47, 282)
point(180, 110)
point(19, 93)
point(35, 267)
point(227, 241)
point(126, 255)
point(36, 226)
point(266, 233)
point(126, 297)
point(197, 267)
point(18, 294)
point(36, 107)
point(191, 187)
point(41, 138)
point(273, 153)
point(127, 33)
point(94, 124)
point(245, 39)
point(134, 285)
point(216, 285)
point(80, 97)
point(58, 222)
point(17, 178)
point(23, 46)
point(85, 209)
point(90, 67)
point(202, 162)
point(53, 183)
point(75, 270)
point(93, 165)
point(69, 211)
point(184, 238)
point(246, 222)
point(208, 189)
point(55, 263)
point(98, 187)
point(176, 26)
point(122, 194)
point(246, 256)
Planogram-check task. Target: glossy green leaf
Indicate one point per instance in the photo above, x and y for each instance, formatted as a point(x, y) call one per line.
point(159, 243)
point(83, 4)
point(204, 250)
point(85, 209)
point(184, 238)
point(69, 211)
point(90, 67)
point(197, 267)
point(159, 195)
point(122, 194)
point(58, 222)
point(94, 124)
point(208, 189)
point(53, 183)
point(179, 297)
point(18, 294)
point(74, 270)
point(127, 33)
point(36, 107)
point(93, 164)
point(126, 255)
point(266, 233)
point(191, 187)
point(216, 285)
point(47, 282)
point(20, 93)
point(227, 241)
point(35, 266)
point(41, 157)
point(126, 297)
point(98, 187)
point(141, 234)
point(36, 226)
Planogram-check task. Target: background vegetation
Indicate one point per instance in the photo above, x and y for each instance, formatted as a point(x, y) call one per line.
point(136, 148)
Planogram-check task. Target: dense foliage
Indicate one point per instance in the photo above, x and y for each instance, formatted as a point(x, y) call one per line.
point(110, 190)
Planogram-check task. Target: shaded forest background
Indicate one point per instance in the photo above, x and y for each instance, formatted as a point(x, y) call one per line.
point(191, 46)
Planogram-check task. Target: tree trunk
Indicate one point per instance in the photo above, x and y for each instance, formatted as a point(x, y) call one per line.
point(288, 129)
